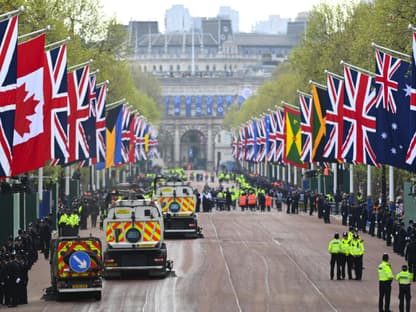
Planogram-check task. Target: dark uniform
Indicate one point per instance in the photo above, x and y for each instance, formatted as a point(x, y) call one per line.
point(405, 279)
point(334, 248)
point(385, 277)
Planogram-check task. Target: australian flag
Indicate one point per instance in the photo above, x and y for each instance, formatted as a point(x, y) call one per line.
point(392, 84)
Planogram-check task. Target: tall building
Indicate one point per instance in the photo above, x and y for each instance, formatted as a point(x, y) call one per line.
point(178, 19)
point(226, 12)
point(274, 25)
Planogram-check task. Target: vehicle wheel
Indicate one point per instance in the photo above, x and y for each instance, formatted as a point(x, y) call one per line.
point(98, 296)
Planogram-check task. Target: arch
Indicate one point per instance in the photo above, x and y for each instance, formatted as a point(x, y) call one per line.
point(193, 149)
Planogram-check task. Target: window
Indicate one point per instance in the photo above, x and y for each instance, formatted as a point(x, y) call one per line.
point(161, 68)
point(178, 67)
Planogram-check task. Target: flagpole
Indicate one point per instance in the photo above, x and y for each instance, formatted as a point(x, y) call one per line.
point(10, 14)
point(95, 72)
point(304, 93)
point(333, 74)
point(369, 181)
point(57, 43)
point(105, 82)
point(376, 46)
point(36, 32)
point(351, 178)
point(67, 186)
point(318, 85)
point(358, 68)
point(391, 183)
point(116, 103)
point(290, 105)
point(40, 188)
point(80, 65)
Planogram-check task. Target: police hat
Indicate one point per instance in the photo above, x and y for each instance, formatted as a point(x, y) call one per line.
point(336, 235)
point(345, 234)
point(355, 236)
point(404, 267)
point(385, 257)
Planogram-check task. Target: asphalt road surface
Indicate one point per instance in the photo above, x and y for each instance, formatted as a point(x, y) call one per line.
point(247, 261)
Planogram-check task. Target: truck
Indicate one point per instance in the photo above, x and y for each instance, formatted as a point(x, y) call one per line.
point(135, 240)
point(76, 266)
point(177, 200)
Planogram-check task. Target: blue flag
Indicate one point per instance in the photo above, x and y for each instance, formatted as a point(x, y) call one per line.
point(188, 103)
point(240, 101)
point(229, 100)
point(220, 106)
point(198, 106)
point(177, 105)
point(392, 84)
point(209, 105)
point(167, 100)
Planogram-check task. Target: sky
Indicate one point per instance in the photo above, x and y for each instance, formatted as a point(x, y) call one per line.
point(249, 11)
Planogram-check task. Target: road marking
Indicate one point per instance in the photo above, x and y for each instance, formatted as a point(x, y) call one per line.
point(307, 278)
point(226, 266)
point(277, 242)
point(145, 301)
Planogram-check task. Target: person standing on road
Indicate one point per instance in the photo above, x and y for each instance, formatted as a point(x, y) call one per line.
point(357, 252)
point(334, 248)
point(344, 256)
point(385, 277)
point(405, 278)
point(410, 255)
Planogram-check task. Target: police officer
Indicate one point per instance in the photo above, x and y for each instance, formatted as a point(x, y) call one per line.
point(334, 248)
point(410, 255)
point(385, 277)
point(357, 252)
point(343, 256)
point(405, 278)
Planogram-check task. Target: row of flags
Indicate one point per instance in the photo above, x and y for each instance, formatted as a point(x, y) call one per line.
point(51, 116)
point(358, 117)
point(200, 105)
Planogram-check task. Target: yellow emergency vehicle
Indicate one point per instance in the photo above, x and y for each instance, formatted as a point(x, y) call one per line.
point(177, 200)
point(76, 266)
point(134, 237)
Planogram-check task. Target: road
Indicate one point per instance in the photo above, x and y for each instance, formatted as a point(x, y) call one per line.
point(247, 261)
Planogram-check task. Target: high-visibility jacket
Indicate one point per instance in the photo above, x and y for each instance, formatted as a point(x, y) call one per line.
point(73, 220)
point(242, 201)
point(345, 247)
point(384, 271)
point(63, 220)
point(357, 247)
point(268, 201)
point(334, 246)
point(251, 199)
point(404, 277)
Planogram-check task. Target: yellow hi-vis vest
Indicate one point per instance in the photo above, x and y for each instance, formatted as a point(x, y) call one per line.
point(384, 271)
point(334, 246)
point(404, 277)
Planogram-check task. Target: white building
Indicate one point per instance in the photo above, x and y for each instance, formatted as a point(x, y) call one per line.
point(178, 19)
point(274, 25)
point(226, 12)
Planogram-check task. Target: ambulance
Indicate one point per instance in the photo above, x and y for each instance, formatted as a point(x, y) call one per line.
point(134, 239)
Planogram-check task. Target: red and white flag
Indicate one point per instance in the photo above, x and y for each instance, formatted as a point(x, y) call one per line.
point(29, 128)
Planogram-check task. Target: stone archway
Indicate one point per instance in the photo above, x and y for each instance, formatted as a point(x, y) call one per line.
point(193, 150)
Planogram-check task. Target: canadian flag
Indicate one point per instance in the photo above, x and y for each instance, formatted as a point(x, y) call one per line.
point(30, 144)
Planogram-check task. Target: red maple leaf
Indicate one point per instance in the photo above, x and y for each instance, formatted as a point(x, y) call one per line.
point(24, 109)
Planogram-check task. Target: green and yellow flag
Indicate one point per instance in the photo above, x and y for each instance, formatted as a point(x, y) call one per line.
point(320, 104)
point(293, 138)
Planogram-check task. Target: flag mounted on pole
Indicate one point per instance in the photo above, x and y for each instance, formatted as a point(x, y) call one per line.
point(100, 126)
point(305, 104)
point(8, 76)
point(276, 136)
point(29, 126)
point(411, 151)
point(293, 138)
point(392, 111)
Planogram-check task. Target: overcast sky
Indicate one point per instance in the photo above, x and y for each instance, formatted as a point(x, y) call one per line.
point(249, 11)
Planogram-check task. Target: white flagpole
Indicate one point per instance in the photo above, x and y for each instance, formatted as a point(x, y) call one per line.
point(57, 43)
point(368, 180)
point(67, 180)
point(289, 180)
point(40, 186)
point(39, 31)
point(335, 177)
point(97, 172)
point(93, 188)
point(391, 183)
point(351, 178)
point(10, 14)
point(295, 176)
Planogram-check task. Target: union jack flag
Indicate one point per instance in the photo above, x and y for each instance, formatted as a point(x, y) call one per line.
point(243, 143)
point(79, 112)
point(56, 90)
point(100, 126)
point(334, 119)
point(276, 137)
point(411, 152)
point(125, 134)
point(305, 102)
point(250, 141)
point(92, 120)
point(260, 140)
point(140, 139)
point(8, 78)
point(393, 124)
point(153, 143)
point(359, 123)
